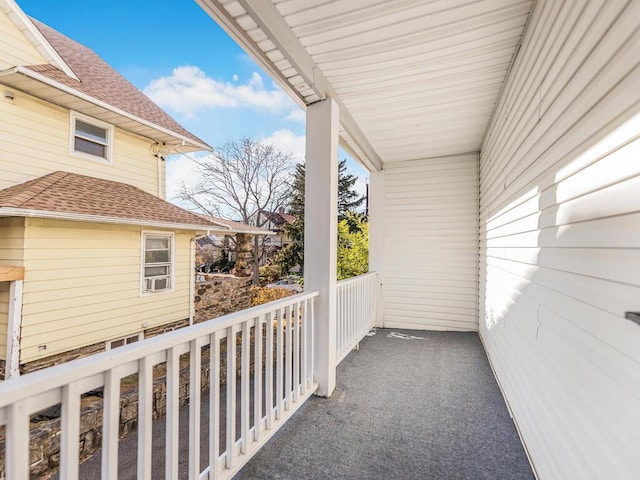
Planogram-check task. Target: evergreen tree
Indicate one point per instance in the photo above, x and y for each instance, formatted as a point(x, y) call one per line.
point(348, 201)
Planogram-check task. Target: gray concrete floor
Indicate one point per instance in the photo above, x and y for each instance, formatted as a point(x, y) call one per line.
point(408, 405)
point(404, 408)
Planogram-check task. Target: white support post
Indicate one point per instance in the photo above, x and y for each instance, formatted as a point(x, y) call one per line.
point(12, 364)
point(320, 234)
point(377, 218)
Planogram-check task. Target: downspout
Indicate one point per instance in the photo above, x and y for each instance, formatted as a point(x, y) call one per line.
point(12, 359)
point(192, 280)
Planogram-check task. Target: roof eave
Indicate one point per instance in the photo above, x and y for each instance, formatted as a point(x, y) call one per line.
point(186, 144)
point(81, 217)
point(265, 14)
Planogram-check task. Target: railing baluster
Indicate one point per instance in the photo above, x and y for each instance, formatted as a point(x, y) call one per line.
point(195, 391)
point(173, 406)
point(70, 426)
point(279, 364)
point(312, 351)
point(17, 449)
point(245, 376)
point(257, 378)
point(296, 351)
point(268, 375)
point(145, 398)
point(305, 346)
point(214, 404)
point(110, 425)
point(288, 359)
point(231, 395)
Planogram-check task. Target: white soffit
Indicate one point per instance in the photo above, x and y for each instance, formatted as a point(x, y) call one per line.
point(413, 78)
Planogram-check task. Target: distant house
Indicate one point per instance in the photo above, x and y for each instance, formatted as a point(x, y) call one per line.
point(276, 222)
point(91, 255)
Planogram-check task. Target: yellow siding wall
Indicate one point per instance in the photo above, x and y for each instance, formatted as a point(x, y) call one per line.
point(34, 141)
point(15, 49)
point(82, 286)
point(11, 251)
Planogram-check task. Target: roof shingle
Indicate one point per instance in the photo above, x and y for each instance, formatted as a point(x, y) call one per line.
point(100, 81)
point(63, 192)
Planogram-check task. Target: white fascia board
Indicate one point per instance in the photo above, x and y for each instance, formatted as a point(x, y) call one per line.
point(267, 16)
point(88, 98)
point(31, 32)
point(81, 217)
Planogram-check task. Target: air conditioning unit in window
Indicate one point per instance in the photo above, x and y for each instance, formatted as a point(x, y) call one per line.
point(157, 284)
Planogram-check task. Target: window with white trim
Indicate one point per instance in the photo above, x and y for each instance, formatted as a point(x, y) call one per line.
point(91, 138)
point(121, 342)
point(157, 262)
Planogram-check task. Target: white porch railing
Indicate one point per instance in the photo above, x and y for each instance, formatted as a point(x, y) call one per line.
point(356, 302)
point(282, 348)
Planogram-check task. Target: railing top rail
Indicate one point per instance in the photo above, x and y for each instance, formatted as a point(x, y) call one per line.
point(356, 279)
point(57, 376)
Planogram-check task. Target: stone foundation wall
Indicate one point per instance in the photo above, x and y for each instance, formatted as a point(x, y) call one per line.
point(220, 295)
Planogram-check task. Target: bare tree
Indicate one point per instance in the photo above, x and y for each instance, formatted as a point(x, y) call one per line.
point(242, 180)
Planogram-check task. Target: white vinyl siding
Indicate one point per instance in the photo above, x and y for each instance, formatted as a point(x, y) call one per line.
point(431, 244)
point(560, 230)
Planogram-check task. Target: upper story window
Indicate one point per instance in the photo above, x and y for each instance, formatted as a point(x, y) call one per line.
point(91, 138)
point(157, 262)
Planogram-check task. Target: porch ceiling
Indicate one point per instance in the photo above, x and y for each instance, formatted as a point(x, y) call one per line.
point(413, 78)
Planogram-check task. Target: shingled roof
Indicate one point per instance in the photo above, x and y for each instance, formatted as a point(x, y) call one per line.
point(99, 80)
point(79, 197)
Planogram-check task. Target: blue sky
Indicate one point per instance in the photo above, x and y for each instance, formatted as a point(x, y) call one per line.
point(174, 52)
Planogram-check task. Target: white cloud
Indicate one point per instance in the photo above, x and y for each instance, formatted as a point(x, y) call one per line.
point(288, 142)
point(189, 90)
point(181, 169)
point(234, 78)
point(296, 115)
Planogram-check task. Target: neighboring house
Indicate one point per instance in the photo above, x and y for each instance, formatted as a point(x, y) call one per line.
point(276, 222)
point(91, 255)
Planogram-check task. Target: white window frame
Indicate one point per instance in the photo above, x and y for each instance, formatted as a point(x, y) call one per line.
point(108, 343)
point(172, 268)
point(91, 121)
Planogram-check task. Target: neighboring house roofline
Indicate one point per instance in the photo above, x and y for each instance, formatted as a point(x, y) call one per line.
point(20, 212)
point(71, 196)
point(43, 79)
point(37, 39)
point(87, 81)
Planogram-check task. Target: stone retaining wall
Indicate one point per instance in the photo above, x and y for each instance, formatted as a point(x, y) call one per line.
point(220, 295)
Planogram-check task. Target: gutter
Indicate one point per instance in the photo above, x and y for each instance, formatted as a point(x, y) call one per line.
point(88, 98)
point(83, 217)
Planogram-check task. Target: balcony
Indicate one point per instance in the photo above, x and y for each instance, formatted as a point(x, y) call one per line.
point(407, 403)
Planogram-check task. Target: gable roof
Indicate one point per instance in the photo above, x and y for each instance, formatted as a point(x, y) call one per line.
point(90, 85)
point(34, 36)
point(99, 80)
point(280, 218)
point(71, 196)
